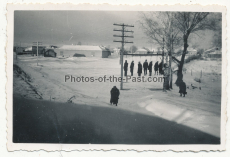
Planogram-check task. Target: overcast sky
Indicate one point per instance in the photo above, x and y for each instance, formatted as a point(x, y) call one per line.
point(70, 27)
point(87, 27)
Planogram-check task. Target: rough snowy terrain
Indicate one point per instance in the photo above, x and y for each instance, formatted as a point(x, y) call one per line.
point(200, 109)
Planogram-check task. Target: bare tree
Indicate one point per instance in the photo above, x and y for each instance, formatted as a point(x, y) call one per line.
point(217, 38)
point(158, 26)
point(174, 27)
point(188, 23)
point(161, 29)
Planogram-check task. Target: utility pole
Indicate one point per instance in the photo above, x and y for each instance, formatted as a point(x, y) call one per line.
point(37, 44)
point(123, 42)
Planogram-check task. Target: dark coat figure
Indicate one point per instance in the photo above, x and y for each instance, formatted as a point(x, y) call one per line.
point(156, 68)
point(182, 88)
point(114, 95)
point(160, 69)
point(150, 68)
point(145, 66)
point(139, 70)
point(126, 67)
point(131, 68)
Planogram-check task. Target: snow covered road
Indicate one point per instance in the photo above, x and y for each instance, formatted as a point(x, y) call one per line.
point(200, 109)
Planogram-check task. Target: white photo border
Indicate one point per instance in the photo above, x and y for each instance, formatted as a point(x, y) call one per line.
point(69, 147)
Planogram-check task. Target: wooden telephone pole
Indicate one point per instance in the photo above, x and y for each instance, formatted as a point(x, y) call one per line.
point(123, 42)
point(37, 44)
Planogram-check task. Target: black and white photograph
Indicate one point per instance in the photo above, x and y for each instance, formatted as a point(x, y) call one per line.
point(117, 77)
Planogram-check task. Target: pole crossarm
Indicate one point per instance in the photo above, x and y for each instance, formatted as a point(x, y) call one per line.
point(37, 43)
point(125, 36)
point(123, 41)
point(123, 31)
point(117, 24)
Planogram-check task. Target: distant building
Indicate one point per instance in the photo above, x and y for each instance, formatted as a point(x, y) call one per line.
point(28, 49)
point(19, 50)
point(50, 53)
point(214, 52)
point(87, 50)
point(116, 51)
point(211, 50)
point(191, 51)
point(105, 52)
point(41, 50)
point(148, 50)
point(215, 55)
point(53, 46)
point(141, 51)
point(22, 50)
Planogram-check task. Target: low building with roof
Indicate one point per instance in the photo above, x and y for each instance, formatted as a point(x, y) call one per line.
point(214, 52)
point(141, 51)
point(50, 53)
point(41, 50)
point(191, 51)
point(116, 51)
point(215, 55)
point(19, 50)
point(87, 50)
point(28, 49)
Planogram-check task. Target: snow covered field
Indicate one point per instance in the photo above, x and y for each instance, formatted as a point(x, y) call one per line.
point(200, 109)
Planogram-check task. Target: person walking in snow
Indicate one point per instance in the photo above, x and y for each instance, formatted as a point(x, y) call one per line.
point(139, 70)
point(131, 68)
point(114, 95)
point(145, 66)
point(150, 68)
point(125, 67)
point(182, 88)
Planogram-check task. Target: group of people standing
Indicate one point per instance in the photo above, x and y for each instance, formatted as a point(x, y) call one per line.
point(145, 66)
point(157, 68)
